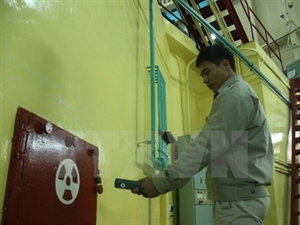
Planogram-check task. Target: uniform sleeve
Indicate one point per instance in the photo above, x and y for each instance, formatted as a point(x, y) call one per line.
point(188, 164)
point(227, 121)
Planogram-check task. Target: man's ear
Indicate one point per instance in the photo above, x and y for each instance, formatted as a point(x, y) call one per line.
point(226, 64)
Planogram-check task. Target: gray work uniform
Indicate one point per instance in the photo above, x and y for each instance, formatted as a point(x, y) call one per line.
point(235, 145)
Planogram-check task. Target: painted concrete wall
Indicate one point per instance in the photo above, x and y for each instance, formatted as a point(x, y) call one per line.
point(280, 17)
point(82, 66)
point(270, 12)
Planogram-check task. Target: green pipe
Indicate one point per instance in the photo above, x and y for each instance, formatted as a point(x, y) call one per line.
point(231, 47)
point(152, 75)
point(162, 118)
point(161, 161)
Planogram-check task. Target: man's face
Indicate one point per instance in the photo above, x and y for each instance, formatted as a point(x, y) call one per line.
point(213, 76)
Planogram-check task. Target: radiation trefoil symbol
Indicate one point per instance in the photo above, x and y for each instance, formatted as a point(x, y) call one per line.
point(67, 181)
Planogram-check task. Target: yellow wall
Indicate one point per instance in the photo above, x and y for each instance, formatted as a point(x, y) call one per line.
point(82, 66)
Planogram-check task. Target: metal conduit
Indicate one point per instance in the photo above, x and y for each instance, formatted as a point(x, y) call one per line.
point(152, 81)
point(161, 161)
point(235, 51)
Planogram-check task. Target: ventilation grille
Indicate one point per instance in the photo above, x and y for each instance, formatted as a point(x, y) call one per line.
point(165, 1)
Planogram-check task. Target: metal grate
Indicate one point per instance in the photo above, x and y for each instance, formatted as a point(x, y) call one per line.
point(165, 1)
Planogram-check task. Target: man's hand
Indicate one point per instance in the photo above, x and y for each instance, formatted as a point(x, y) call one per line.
point(149, 191)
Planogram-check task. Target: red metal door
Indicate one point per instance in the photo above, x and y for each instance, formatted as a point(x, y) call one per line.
point(53, 175)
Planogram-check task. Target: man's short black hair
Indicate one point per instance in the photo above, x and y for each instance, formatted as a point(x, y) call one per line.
point(215, 54)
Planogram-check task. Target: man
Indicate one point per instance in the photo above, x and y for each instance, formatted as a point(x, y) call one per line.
point(235, 145)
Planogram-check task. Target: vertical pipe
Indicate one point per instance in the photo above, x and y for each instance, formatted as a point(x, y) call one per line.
point(162, 118)
point(152, 75)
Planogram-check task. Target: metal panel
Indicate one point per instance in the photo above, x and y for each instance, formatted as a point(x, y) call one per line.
point(204, 215)
point(293, 70)
point(52, 176)
point(194, 207)
point(199, 180)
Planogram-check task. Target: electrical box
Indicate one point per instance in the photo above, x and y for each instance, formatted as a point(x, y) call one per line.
point(194, 207)
point(293, 70)
point(53, 176)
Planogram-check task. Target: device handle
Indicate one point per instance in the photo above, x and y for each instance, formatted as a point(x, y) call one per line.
point(129, 184)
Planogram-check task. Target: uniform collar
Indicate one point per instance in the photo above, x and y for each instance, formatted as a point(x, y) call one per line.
point(229, 82)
